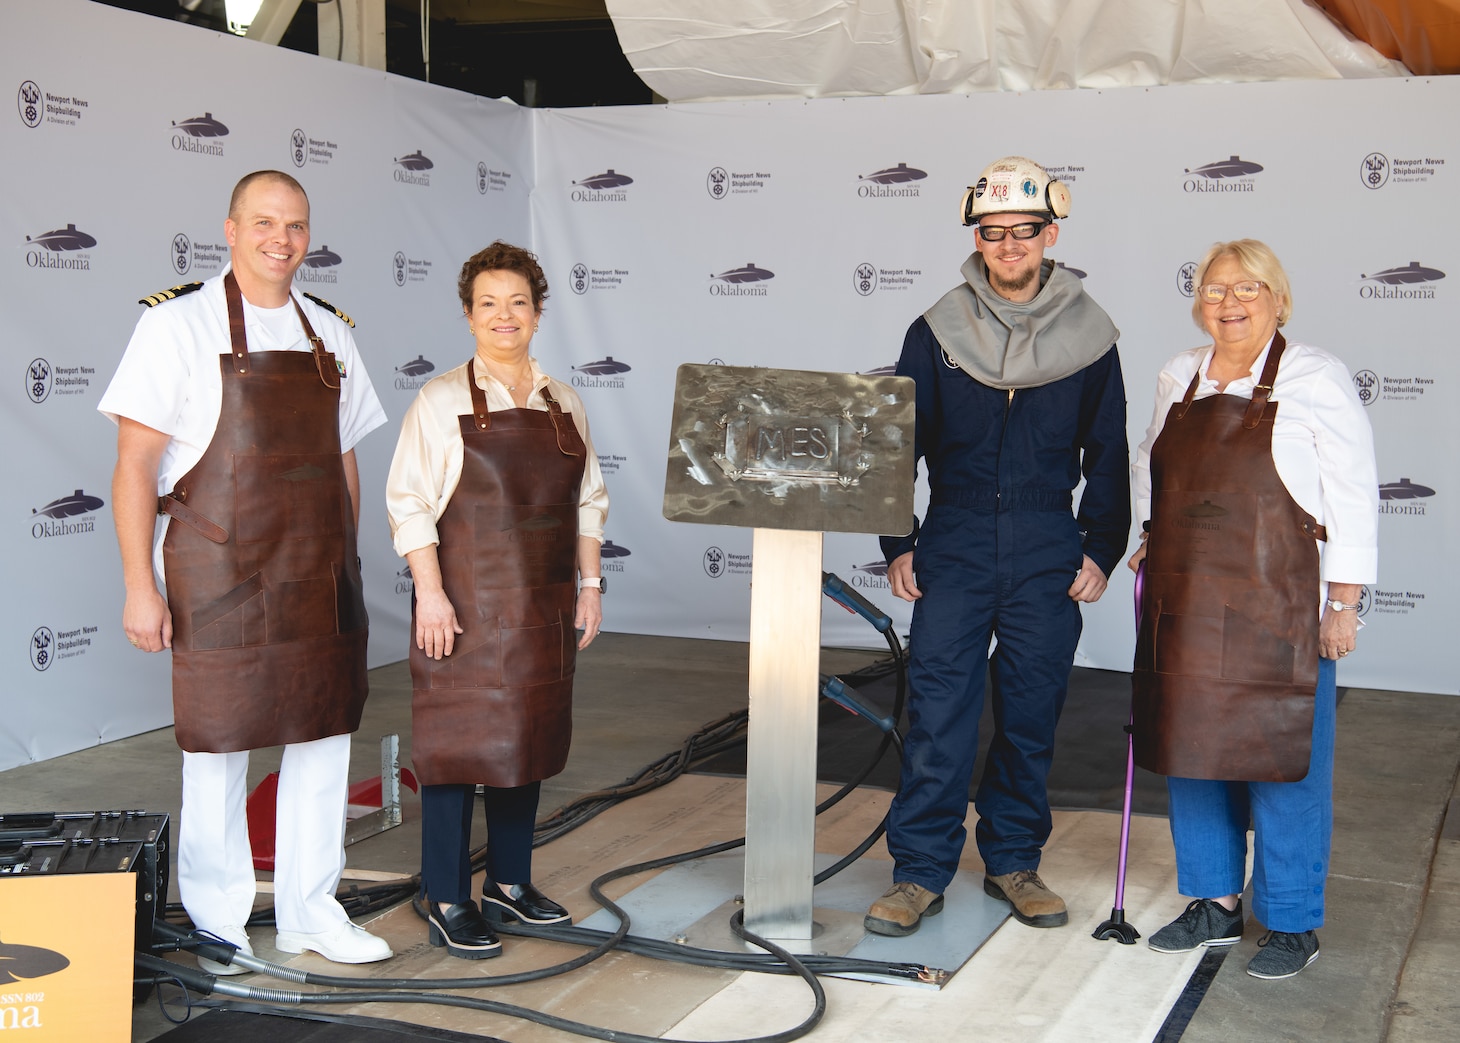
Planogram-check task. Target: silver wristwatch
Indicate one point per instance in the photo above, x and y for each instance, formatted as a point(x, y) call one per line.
point(1339, 606)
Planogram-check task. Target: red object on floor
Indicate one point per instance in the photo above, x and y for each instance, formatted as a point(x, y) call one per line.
point(264, 800)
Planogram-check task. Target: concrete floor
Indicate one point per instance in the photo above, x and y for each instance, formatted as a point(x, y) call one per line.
point(1391, 950)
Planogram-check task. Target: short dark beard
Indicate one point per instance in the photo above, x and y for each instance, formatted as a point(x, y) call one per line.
point(1007, 286)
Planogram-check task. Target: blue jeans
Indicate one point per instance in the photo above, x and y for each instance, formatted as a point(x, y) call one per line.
point(1292, 824)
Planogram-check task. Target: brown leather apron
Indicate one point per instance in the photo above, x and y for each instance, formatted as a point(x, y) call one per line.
point(1227, 654)
point(268, 611)
point(499, 709)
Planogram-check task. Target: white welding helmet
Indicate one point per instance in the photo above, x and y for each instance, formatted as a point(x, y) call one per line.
point(1015, 185)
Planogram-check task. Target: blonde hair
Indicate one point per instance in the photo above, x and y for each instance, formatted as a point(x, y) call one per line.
point(1256, 259)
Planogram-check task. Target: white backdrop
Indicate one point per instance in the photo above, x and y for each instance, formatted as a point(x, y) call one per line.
point(636, 213)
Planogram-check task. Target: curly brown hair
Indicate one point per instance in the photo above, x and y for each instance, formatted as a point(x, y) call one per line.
point(502, 257)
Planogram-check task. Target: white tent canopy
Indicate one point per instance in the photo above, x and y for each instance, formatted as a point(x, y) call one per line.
point(701, 50)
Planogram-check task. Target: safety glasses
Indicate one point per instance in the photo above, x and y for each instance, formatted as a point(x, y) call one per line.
point(995, 233)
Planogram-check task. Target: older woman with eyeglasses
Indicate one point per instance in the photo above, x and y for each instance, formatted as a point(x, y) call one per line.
point(1257, 490)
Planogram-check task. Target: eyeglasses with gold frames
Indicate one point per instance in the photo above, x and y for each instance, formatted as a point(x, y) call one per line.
point(1216, 293)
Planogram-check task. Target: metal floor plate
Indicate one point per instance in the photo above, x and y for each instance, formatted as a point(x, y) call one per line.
point(692, 903)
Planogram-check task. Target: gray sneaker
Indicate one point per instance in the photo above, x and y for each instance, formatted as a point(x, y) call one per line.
point(1282, 955)
point(1204, 923)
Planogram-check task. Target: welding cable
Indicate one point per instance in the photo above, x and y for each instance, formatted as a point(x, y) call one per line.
point(710, 740)
point(207, 984)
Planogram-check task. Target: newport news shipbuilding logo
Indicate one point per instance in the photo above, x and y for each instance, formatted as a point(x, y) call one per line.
point(1233, 174)
point(721, 183)
point(319, 267)
point(741, 282)
point(48, 646)
point(604, 373)
point(607, 187)
point(583, 278)
point(868, 278)
point(37, 106)
point(412, 169)
point(305, 149)
point(718, 562)
point(1403, 497)
point(900, 181)
point(611, 463)
point(66, 516)
point(412, 375)
point(1186, 279)
point(188, 254)
point(489, 180)
point(1371, 387)
point(1401, 284)
point(42, 378)
point(199, 135)
point(1389, 602)
point(405, 269)
point(61, 249)
point(1377, 170)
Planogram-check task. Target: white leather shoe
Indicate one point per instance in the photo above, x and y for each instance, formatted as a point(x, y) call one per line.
point(347, 943)
point(233, 936)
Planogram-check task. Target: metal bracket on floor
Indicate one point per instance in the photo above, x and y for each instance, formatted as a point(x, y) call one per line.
point(374, 804)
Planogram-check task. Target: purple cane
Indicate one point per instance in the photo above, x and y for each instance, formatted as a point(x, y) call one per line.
point(1116, 927)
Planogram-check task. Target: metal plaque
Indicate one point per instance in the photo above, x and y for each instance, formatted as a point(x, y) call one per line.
point(791, 449)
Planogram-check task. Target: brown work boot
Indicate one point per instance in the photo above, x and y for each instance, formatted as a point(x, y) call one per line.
point(901, 909)
point(1032, 902)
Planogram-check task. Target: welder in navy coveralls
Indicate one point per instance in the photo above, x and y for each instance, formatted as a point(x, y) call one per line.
point(1019, 393)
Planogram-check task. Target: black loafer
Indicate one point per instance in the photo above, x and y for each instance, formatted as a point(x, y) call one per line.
point(463, 931)
point(532, 908)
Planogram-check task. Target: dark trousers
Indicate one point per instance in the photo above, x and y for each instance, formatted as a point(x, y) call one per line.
point(446, 837)
point(982, 575)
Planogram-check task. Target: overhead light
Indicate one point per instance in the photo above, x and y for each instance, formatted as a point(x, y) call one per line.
point(241, 14)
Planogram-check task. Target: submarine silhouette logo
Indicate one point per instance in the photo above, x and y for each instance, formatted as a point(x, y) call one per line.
point(606, 366)
point(24, 962)
point(418, 366)
point(608, 179)
point(1235, 166)
point(897, 175)
point(204, 126)
point(749, 273)
point(415, 161)
point(1410, 273)
point(78, 502)
point(60, 239)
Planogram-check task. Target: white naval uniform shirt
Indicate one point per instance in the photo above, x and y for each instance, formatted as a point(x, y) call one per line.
point(169, 379)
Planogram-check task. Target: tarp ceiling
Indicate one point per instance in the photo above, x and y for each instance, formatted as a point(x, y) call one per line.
point(694, 50)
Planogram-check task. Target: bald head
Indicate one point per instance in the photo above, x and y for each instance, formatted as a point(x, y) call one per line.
point(266, 177)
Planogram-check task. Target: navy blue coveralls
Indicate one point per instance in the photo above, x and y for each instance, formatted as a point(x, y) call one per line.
point(996, 555)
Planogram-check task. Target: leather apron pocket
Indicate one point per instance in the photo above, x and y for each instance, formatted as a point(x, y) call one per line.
point(233, 620)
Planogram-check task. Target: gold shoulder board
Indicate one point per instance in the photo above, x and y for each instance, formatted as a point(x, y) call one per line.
point(166, 295)
point(327, 306)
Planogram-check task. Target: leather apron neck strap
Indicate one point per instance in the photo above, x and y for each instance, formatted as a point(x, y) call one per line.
point(482, 418)
point(329, 373)
point(1260, 394)
point(480, 414)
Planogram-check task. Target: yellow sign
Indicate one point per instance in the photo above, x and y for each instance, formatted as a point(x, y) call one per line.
point(66, 957)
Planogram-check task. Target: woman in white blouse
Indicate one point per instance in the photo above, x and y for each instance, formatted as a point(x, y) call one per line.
point(497, 503)
point(1257, 491)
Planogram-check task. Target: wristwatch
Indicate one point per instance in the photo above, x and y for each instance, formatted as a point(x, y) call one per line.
point(597, 583)
point(1339, 606)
